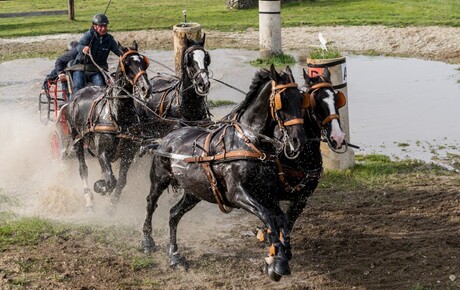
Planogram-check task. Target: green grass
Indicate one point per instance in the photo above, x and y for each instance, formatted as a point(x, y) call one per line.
point(320, 53)
point(276, 60)
point(25, 231)
point(220, 103)
point(373, 171)
point(163, 14)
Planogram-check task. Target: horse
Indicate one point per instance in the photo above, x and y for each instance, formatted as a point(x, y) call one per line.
point(106, 118)
point(175, 102)
point(232, 163)
point(300, 176)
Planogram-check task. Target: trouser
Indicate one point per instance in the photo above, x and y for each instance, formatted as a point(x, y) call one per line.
point(79, 80)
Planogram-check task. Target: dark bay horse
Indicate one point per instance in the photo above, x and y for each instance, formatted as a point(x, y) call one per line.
point(232, 163)
point(299, 176)
point(105, 117)
point(178, 101)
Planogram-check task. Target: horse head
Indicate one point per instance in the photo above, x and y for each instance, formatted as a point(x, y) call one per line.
point(195, 65)
point(324, 102)
point(132, 69)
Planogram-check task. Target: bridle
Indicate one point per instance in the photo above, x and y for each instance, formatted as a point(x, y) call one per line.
point(140, 73)
point(193, 75)
point(309, 101)
point(276, 105)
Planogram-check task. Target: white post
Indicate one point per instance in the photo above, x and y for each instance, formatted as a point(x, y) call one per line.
point(270, 28)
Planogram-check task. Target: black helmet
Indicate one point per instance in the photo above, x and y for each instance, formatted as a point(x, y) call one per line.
point(100, 19)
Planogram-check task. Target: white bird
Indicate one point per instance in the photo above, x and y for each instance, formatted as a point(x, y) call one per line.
point(322, 40)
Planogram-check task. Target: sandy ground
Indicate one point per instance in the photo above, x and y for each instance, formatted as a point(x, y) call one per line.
point(433, 43)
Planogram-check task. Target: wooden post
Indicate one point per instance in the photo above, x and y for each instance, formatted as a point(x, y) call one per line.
point(270, 28)
point(338, 69)
point(71, 13)
point(181, 32)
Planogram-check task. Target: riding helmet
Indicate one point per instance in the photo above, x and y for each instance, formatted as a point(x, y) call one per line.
point(100, 19)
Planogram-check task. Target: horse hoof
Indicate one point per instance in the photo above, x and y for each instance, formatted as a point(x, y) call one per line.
point(177, 261)
point(268, 269)
point(281, 267)
point(100, 187)
point(148, 244)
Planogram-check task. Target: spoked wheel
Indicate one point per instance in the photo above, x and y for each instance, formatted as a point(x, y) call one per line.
point(56, 146)
point(44, 107)
point(60, 145)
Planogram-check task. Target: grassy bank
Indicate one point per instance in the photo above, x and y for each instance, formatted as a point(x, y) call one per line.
point(163, 14)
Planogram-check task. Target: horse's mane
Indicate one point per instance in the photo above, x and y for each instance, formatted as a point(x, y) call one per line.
point(260, 78)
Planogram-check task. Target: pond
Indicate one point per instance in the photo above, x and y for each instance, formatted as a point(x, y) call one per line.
point(400, 107)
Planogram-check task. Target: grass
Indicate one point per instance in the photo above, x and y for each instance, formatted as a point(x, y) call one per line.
point(374, 171)
point(320, 53)
point(277, 60)
point(220, 103)
point(25, 231)
point(163, 14)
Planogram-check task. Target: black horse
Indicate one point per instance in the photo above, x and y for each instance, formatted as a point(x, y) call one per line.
point(106, 117)
point(299, 176)
point(179, 101)
point(232, 164)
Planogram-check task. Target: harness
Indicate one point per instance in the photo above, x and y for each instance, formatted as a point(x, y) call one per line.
point(240, 154)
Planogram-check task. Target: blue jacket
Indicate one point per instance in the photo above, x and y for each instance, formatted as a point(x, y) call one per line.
point(100, 48)
point(61, 63)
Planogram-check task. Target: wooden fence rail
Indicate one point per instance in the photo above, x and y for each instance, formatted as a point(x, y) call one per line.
point(35, 13)
point(70, 12)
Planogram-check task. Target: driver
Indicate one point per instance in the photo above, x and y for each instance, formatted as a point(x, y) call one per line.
point(99, 43)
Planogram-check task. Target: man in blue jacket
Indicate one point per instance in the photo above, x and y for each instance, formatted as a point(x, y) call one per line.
point(99, 43)
point(60, 66)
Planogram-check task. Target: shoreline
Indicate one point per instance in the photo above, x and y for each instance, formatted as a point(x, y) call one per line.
point(429, 43)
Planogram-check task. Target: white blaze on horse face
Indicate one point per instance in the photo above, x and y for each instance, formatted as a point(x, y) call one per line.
point(336, 133)
point(198, 56)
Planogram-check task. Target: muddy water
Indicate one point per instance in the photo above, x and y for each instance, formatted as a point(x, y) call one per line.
point(399, 107)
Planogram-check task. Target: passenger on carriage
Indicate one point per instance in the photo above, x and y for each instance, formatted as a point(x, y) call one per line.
point(99, 43)
point(61, 64)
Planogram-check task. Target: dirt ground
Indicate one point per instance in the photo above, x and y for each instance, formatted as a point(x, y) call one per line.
point(404, 235)
point(433, 43)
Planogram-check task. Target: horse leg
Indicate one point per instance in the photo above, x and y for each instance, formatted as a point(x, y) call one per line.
point(186, 203)
point(277, 261)
point(157, 187)
point(127, 156)
point(83, 169)
point(105, 145)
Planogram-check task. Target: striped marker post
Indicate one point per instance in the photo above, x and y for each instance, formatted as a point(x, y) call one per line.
point(270, 28)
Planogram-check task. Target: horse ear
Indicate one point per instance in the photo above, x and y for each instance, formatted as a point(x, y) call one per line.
point(188, 42)
point(326, 74)
point(273, 73)
point(134, 45)
point(203, 39)
point(121, 49)
point(289, 72)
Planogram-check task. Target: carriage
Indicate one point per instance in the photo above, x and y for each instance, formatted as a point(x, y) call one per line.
point(53, 96)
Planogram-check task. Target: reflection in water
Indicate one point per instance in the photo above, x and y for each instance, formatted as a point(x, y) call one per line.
point(399, 107)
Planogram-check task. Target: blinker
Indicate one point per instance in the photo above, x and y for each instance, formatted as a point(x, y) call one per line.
point(341, 100)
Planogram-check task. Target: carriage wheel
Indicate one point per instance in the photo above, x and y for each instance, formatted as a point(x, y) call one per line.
point(56, 146)
point(44, 107)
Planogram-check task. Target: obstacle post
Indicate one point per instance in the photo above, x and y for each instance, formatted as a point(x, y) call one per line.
point(182, 31)
point(269, 28)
